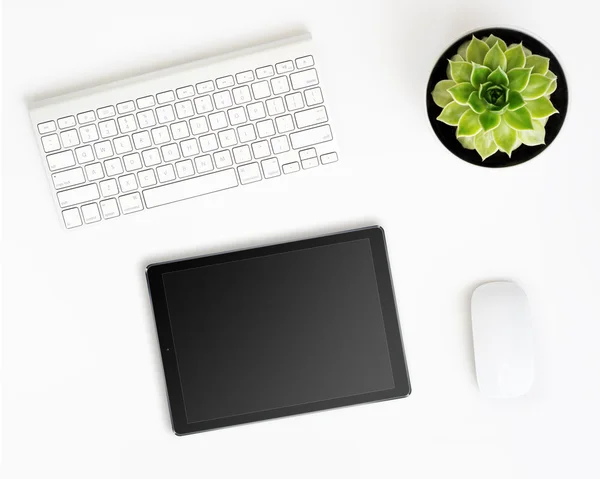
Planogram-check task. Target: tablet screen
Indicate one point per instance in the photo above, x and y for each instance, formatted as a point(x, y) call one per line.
point(278, 330)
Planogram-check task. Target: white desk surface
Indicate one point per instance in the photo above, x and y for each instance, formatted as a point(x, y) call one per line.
point(84, 395)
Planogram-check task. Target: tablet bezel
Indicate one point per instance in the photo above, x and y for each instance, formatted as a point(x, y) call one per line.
point(376, 237)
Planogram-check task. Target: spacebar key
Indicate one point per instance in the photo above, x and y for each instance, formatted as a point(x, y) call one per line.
point(185, 189)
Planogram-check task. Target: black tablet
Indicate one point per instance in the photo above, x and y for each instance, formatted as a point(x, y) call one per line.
point(278, 330)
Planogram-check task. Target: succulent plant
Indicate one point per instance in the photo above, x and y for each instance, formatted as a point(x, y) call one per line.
point(497, 96)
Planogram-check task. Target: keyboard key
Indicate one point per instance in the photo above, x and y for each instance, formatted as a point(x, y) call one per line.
point(310, 163)
point(205, 87)
point(261, 90)
point(249, 173)
point(69, 138)
point(199, 125)
point(57, 161)
point(170, 152)
point(284, 67)
point(270, 168)
point(66, 122)
point(294, 101)
point(222, 99)
point(88, 133)
point(132, 162)
point(86, 117)
point(260, 149)
point(227, 138)
point(190, 188)
point(189, 147)
point(109, 187)
point(291, 167)
point(265, 72)
point(275, 106)
point(82, 194)
point(151, 157)
point(147, 178)
point(161, 135)
point(94, 171)
point(108, 128)
point(313, 96)
point(308, 153)
point(203, 104)
point(145, 102)
point(64, 179)
point(146, 118)
point(217, 120)
point(244, 77)
point(305, 62)
point(46, 127)
point(203, 164)
point(184, 168)
point(113, 167)
point(106, 112)
point(314, 136)
point(109, 208)
point(208, 143)
point(284, 123)
point(280, 85)
point(304, 79)
point(122, 145)
point(311, 117)
point(265, 128)
point(127, 183)
point(225, 82)
point(141, 140)
point(50, 143)
point(165, 97)
point(180, 130)
point(246, 133)
point(72, 218)
point(241, 95)
point(237, 116)
point(103, 150)
point(256, 111)
point(84, 154)
point(131, 203)
point(184, 109)
point(125, 107)
point(329, 158)
point(165, 173)
point(222, 159)
point(91, 213)
point(165, 114)
point(280, 144)
point(242, 154)
point(127, 123)
point(185, 92)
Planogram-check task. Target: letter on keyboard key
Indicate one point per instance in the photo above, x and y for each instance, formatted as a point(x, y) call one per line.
point(249, 173)
point(60, 160)
point(314, 136)
point(131, 203)
point(76, 196)
point(185, 189)
point(304, 78)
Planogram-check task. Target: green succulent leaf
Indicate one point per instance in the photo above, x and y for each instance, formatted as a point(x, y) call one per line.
point(461, 71)
point(468, 125)
point(552, 87)
point(538, 86)
point(515, 100)
point(519, 119)
point(479, 75)
point(440, 94)
point(493, 39)
point(534, 137)
point(489, 120)
point(538, 63)
point(515, 57)
point(495, 58)
point(462, 50)
point(452, 113)
point(460, 92)
point(518, 78)
point(454, 58)
point(498, 77)
point(485, 144)
point(476, 51)
point(467, 142)
point(476, 103)
point(505, 137)
point(541, 108)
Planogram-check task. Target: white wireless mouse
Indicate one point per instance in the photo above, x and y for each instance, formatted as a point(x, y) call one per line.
point(503, 339)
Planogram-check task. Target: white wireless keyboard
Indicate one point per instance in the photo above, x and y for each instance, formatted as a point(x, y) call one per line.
point(187, 131)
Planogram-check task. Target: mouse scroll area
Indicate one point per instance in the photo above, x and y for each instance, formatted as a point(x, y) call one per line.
point(502, 339)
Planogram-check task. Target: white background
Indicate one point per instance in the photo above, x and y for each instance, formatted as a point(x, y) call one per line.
point(83, 391)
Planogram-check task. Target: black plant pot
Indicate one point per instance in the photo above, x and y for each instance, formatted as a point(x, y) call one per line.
point(447, 133)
